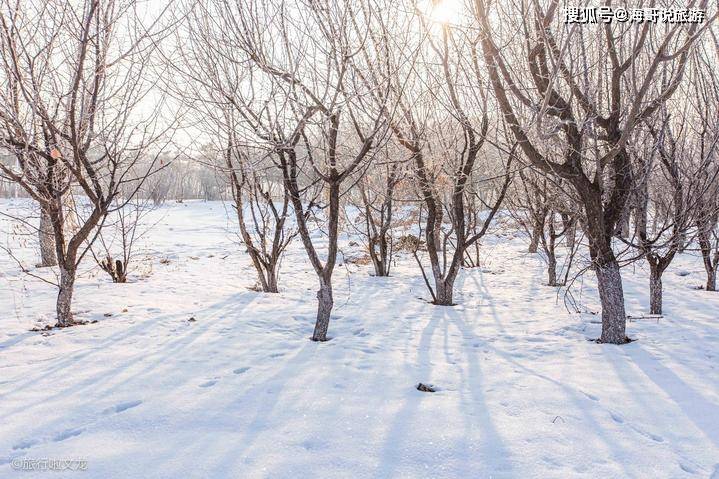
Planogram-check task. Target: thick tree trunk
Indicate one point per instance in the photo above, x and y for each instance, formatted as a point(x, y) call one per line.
point(271, 284)
point(380, 268)
point(443, 292)
point(611, 294)
point(47, 240)
point(711, 280)
point(380, 260)
point(324, 309)
point(655, 291)
point(64, 298)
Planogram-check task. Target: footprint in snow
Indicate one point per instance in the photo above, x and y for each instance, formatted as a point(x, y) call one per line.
point(277, 355)
point(591, 396)
point(687, 468)
point(240, 370)
point(208, 384)
point(648, 435)
point(67, 434)
point(617, 418)
point(535, 339)
point(25, 444)
point(123, 406)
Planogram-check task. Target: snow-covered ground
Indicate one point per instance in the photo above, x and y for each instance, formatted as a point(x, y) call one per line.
point(242, 392)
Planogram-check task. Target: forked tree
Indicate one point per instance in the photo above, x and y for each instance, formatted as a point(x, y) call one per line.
point(442, 120)
point(74, 74)
point(582, 90)
point(307, 106)
point(374, 201)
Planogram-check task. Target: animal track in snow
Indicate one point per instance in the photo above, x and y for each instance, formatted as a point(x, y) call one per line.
point(617, 418)
point(209, 383)
point(591, 396)
point(25, 444)
point(240, 370)
point(124, 406)
point(67, 434)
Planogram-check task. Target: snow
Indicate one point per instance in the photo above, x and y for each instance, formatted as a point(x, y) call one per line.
point(242, 392)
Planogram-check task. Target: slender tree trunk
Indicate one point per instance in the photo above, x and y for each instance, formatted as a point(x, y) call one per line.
point(552, 268)
point(324, 309)
point(438, 233)
point(570, 230)
point(47, 240)
point(536, 235)
point(383, 256)
point(655, 290)
point(611, 294)
point(64, 297)
point(549, 243)
point(710, 266)
point(624, 224)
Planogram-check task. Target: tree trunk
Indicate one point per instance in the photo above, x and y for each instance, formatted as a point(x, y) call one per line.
point(552, 269)
point(271, 285)
point(711, 279)
point(655, 290)
point(444, 290)
point(705, 245)
point(624, 224)
point(570, 230)
point(47, 240)
point(64, 298)
point(611, 294)
point(324, 309)
point(379, 268)
point(380, 260)
point(536, 235)
point(438, 233)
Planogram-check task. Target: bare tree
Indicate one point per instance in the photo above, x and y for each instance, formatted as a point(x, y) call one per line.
point(307, 81)
point(118, 238)
point(442, 121)
point(375, 202)
point(540, 206)
point(75, 75)
point(705, 106)
point(260, 215)
point(583, 90)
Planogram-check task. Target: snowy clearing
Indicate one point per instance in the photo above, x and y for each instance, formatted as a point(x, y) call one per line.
point(242, 392)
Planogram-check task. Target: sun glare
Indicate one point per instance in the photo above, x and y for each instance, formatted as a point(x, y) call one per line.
point(443, 11)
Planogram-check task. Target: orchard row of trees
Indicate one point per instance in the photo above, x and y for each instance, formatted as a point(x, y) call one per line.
point(181, 178)
point(323, 114)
